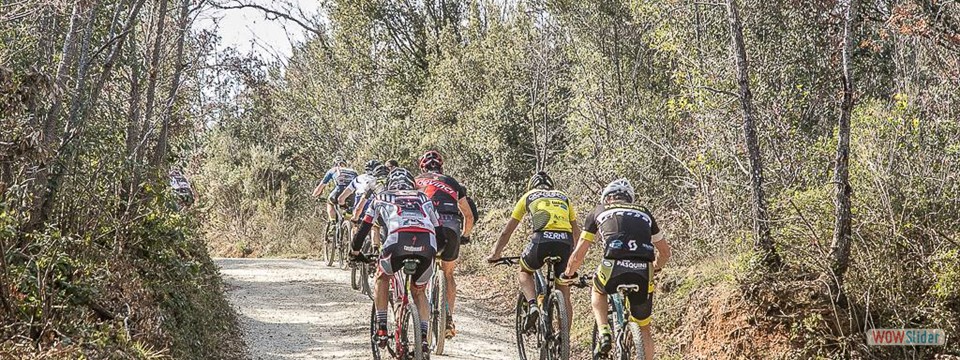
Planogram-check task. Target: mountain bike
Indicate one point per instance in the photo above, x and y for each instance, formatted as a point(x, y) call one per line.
point(626, 336)
point(361, 275)
point(335, 244)
point(550, 338)
point(405, 340)
point(439, 309)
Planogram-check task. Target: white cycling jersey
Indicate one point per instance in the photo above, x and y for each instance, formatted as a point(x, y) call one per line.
point(361, 184)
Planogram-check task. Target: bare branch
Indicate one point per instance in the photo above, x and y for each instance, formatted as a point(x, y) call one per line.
point(270, 12)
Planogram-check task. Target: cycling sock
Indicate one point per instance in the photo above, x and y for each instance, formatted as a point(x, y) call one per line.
point(605, 329)
point(533, 302)
point(382, 318)
point(424, 326)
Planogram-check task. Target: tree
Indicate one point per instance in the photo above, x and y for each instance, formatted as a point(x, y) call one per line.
point(840, 247)
point(763, 243)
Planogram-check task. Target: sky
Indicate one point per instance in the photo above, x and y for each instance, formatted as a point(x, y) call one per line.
point(249, 30)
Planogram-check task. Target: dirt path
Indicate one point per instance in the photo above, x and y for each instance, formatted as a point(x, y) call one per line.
point(300, 309)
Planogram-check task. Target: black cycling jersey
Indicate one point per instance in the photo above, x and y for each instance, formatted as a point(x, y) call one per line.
point(628, 230)
point(444, 190)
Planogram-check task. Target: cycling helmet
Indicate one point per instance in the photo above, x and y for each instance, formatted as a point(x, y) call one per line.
point(339, 162)
point(392, 163)
point(380, 172)
point(431, 160)
point(400, 179)
point(371, 165)
point(540, 180)
point(619, 188)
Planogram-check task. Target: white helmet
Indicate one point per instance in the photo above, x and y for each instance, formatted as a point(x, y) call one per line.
point(618, 187)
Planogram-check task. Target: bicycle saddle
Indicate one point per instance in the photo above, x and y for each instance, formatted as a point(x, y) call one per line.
point(410, 266)
point(552, 259)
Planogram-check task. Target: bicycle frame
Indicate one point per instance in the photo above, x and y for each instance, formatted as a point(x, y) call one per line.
point(621, 312)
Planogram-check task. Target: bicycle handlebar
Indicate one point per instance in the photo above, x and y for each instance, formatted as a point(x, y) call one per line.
point(371, 258)
point(584, 281)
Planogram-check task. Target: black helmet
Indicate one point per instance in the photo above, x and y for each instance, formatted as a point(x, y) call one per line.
point(400, 179)
point(540, 180)
point(380, 172)
point(371, 165)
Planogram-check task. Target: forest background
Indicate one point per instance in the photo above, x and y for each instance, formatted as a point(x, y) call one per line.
point(802, 156)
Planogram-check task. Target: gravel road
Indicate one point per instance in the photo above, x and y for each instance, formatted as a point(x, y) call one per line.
point(301, 309)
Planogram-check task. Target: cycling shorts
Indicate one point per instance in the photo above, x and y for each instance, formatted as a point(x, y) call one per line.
point(407, 247)
point(335, 197)
point(544, 244)
point(448, 237)
point(613, 273)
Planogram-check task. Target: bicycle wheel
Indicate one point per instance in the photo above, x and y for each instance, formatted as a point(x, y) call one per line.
point(631, 346)
point(367, 272)
point(373, 332)
point(344, 243)
point(328, 243)
point(557, 321)
point(337, 244)
point(438, 312)
point(411, 337)
point(614, 330)
point(528, 343)
point(594, 339)
point(355, 276)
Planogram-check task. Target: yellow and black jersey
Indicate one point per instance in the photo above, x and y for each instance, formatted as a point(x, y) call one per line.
point(628, 230)
point(550, 210)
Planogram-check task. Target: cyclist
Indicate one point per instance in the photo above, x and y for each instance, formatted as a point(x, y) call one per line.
point(183, 193)
point(341, 176)
point(450, 200)
point(365, 192)
point(367, 189)
point(629, 234)
point(360, 184)
point(554, 228)
point(411, 223)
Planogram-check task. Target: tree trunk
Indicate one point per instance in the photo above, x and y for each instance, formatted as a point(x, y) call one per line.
point(161, 149)
point(107, 72)
point(763, 244)
point(64, 154)
point(840, 247)
point(133, 113)
point(67, 56)
point(154, 73)
point(51, 121)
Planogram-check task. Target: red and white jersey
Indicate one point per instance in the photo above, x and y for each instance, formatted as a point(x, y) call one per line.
point(407, 211)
